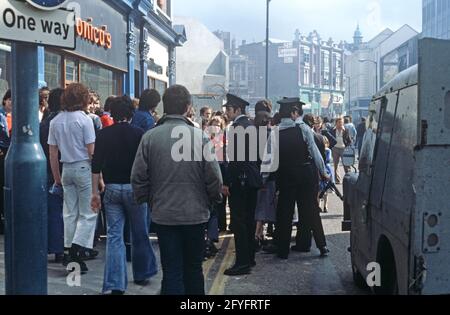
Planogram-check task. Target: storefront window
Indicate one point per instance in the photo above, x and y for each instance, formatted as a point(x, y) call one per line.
point(71, 71)
point(160, 86)
point(53, 70)
point(104, 81)
point(5, 70)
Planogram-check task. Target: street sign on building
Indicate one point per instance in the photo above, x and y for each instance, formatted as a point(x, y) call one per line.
point(287, 52)
point(22, 22)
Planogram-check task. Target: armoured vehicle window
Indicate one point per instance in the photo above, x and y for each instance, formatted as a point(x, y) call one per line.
point(369, 141)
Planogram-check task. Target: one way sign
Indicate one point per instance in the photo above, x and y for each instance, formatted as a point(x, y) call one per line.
point(19, 21)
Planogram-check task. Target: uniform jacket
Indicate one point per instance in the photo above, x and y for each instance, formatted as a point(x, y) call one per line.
point(246, 171)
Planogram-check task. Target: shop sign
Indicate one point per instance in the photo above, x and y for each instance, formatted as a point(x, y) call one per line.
point(96, 35)
point(19, 21)
point(287, 52)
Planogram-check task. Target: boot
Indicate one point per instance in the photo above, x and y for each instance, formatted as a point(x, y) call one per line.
point(74, 257)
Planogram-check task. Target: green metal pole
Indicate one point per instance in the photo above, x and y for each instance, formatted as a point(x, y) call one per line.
point(25, 183)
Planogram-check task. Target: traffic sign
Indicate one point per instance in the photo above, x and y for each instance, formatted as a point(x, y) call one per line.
point(21, 22)
point(47, 4)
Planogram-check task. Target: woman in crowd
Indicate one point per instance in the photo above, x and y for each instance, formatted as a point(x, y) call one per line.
point(94, 106)
point(215, 130)
point(72, 134)
point(266, 200)
point(55, 194)
point(115, 150)
point(329, 170)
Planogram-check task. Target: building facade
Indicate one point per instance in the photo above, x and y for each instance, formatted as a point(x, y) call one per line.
point(306, 67)
point(436, 18)
point(202, 65)
point(370, 65)
point(137, 50)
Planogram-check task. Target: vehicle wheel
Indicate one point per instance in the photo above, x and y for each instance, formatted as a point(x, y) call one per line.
point(358, 279)
point(389, 281)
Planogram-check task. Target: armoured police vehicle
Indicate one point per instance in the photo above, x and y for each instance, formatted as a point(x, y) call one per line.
point(398, 205)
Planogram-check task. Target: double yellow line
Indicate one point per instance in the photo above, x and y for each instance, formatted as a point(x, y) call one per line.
point(220, 281)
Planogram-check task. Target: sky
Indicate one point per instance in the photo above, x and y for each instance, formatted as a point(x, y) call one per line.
point(245, 19)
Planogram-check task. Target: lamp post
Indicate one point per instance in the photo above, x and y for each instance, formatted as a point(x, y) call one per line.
point(267, 48)
point(376, 71)
point(349, 80)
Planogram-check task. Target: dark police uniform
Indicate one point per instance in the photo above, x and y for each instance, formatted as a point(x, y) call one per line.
point(296, 180)
point(243, 178)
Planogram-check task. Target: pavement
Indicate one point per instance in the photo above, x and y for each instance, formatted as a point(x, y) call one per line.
point(302, 274)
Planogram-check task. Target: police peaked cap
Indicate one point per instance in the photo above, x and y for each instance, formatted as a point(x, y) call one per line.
point(236, 102)
point(292, 102)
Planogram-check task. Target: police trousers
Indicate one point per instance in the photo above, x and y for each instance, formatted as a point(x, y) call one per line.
point(304, 193)
point(243, 224)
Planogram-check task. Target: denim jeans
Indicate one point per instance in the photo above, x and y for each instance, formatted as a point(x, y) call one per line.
point(119, 203)
point(55, 220)
point(79, 219)
point(182, 251)
point(213, 225)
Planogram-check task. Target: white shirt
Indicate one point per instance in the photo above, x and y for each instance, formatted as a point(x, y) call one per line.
point(72, 132)
point(340, 139)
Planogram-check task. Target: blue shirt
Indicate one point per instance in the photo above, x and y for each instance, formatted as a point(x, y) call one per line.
point(352, 131)
point(143, 120)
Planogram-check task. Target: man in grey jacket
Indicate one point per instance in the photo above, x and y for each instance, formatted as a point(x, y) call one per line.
point(175, 171)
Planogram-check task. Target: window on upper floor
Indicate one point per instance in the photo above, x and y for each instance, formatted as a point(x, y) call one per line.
point(164, 6)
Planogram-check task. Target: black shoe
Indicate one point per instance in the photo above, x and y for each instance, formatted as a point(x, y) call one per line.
point(210, 250)
point(270, 249)
point(238, 271)
point(66, 260)
point(298, 249)
point(59, 258)
point(82, 265)
point(283, 256)
point(87, 254)
point(142, 283)
point(324, 251)
point(258, 245)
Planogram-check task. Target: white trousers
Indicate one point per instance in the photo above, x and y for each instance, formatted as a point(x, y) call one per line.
point(79, 220)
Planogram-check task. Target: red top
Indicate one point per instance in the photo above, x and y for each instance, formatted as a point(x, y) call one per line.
point(106, 121)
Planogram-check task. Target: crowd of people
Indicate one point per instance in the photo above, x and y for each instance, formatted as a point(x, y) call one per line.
point(111, 171)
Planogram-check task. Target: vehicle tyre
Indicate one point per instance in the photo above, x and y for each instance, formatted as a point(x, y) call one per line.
point(389, 281)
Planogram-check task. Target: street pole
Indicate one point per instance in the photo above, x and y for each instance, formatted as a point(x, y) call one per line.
point(349, 95)
point(376, 77)
point(25, 183)
point(267, 49)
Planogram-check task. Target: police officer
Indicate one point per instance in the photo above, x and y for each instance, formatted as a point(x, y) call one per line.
point(242, 182)
point(310, 223)
point(296, 177)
